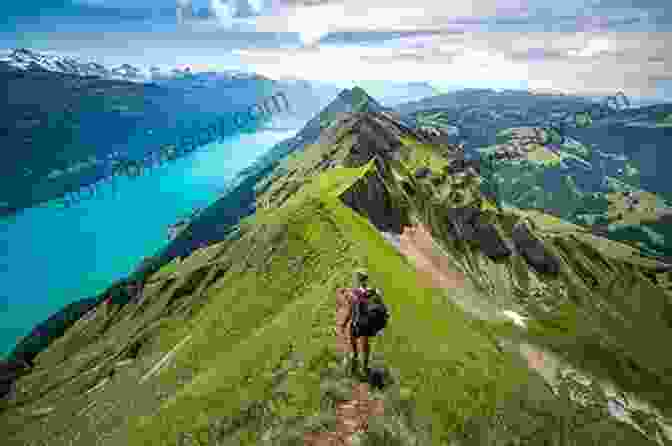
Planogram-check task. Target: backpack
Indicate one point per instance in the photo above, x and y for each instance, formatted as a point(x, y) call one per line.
point(370, 316)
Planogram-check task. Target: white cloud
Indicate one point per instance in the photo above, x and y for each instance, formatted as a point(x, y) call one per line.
point(315, 21)
point(370, 63)
point(594, 47)
point(585, 63)
point(308, 22)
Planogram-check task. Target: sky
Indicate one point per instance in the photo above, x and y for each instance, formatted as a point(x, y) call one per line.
point(595, 47)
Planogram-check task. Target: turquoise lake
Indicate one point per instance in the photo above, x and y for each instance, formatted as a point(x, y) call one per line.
point(52, 256)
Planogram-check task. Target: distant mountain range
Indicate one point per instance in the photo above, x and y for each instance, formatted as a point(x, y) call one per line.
point(23, 59)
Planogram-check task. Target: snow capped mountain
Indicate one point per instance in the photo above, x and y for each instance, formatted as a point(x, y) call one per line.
point(128, 71)
point(200, 74)
point(23, 59)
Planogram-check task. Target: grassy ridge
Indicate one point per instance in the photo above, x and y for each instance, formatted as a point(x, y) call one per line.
point(237, 338)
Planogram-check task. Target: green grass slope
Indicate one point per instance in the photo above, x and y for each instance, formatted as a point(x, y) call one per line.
point(235, 344)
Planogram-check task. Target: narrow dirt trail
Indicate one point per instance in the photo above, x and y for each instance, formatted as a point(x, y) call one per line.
point(352, 415)
point(417, 245)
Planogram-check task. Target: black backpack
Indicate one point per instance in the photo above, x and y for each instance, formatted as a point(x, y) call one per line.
point(369, 317)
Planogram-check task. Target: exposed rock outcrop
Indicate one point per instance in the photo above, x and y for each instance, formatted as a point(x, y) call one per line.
point(460, 221)
point(533, 251)
point(461, 165)
point(422, 172)
point(10, 370)
point(372, 137)
point(489, 241)
point(467, 225)
point(370, 198)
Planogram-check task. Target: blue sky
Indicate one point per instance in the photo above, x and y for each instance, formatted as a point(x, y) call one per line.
point(586, 47)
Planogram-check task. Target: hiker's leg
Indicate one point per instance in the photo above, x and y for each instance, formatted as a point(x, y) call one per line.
point(354, 361)
point(353, 344)
point(366, 349)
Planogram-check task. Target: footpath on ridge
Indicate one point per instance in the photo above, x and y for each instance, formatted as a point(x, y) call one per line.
point(351, 415)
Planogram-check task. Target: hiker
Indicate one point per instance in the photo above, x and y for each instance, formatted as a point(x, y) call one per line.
point(367, 315)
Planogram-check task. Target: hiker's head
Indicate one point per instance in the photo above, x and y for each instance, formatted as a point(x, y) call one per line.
point(361, 278)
